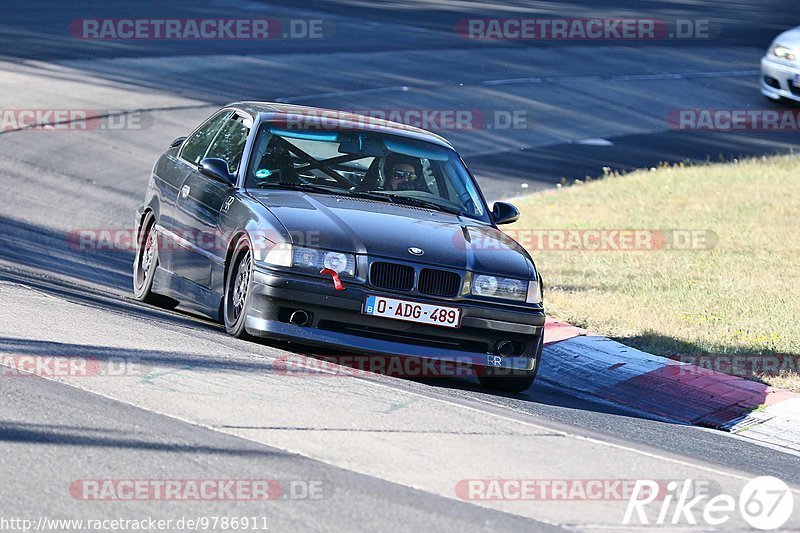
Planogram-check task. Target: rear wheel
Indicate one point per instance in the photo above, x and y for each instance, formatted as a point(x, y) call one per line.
point(511, 381)
point(238, 284)
point(144, 267)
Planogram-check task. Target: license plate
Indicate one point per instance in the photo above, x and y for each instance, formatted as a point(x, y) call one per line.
point(435, 315)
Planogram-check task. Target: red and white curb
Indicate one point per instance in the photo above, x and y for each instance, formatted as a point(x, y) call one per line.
point(593, 366)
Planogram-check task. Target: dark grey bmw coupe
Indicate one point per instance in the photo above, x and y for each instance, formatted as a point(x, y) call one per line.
point(339, 230)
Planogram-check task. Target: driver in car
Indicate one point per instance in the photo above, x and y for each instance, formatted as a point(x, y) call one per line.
point(402, 175)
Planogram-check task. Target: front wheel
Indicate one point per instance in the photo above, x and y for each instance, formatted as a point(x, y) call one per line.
point(238, 285)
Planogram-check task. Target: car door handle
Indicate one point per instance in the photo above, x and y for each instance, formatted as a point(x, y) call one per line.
point(185, 191)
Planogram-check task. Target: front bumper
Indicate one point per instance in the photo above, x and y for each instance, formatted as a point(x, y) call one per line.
point(776, 80)
point(337, 322)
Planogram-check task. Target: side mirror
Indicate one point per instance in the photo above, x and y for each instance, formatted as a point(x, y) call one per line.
point(503, 213)
point(218, 169)
point(177, 142)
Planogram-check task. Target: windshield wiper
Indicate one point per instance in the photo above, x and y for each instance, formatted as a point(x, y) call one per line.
point(372, 196)
point(410, 200)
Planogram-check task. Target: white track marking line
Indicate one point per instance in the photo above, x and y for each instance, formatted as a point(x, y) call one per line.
point(595, 142)
point(579, 437)
point(632, 77)
point(288, 100)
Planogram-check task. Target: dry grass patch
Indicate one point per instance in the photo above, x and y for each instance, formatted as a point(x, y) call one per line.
point(740, 296)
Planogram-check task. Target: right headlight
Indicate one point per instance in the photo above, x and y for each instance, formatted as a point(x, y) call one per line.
point(506, 288)
point(311, 260)
point(783, 52)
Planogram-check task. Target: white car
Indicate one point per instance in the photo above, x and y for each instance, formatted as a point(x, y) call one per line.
point(780, 68)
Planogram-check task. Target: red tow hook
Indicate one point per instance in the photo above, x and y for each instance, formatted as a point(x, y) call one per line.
point(337, 283)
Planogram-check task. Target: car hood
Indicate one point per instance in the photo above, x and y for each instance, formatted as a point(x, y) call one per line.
point(789, 38)
point(381, 229)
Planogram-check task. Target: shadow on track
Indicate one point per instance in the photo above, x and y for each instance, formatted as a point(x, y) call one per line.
point(50, 252)
point(82, 436)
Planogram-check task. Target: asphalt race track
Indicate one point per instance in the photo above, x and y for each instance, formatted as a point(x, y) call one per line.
point(381, 453)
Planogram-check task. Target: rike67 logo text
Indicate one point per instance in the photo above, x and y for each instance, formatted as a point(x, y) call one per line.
point(765, 503)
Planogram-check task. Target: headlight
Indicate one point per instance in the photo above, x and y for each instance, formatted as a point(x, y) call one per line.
point(784, 52)
point(497, 287)
point(336, 262)
point(311, 260)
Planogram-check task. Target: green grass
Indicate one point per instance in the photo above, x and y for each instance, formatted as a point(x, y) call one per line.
point(741, 296)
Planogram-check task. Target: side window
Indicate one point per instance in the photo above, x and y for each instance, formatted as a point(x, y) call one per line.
point(229, 143)
point(196, 146)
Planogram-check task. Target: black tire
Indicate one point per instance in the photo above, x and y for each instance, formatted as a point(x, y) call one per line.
point(513, 381)
point(238, 289)
point(144, 266)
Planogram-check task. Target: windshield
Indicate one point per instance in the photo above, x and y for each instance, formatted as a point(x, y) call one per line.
point(384, 167)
